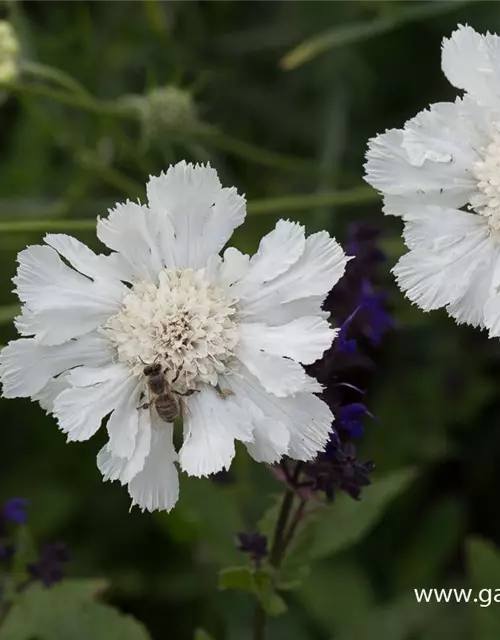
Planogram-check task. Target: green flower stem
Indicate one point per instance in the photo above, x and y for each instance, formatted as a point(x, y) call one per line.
point(254, 153)
point(208, 133)
point(294, 523)
point(348, 34)
point(259, 624)
point(77, 101)
point(111, 176)
point(43, 226)
point(8, 313)
point(277, 549)
point(304, 202)
point(270, 206)
point(62, 78)
point(283, 535)
point(275, 557)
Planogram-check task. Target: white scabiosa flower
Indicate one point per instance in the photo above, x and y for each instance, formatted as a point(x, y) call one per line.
point(441, 174)
point(226, 336)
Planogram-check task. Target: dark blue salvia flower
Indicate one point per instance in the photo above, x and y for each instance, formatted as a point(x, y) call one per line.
point(255, 545)
point(14, 511)
point(360, 310)
point(350, 419)
point(340, 469)
point(375, 318)
point(356, 292)
point(48, 568)
point(343, 344)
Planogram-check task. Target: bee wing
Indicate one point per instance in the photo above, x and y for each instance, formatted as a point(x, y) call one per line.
point(184, 406)
point(151, 405)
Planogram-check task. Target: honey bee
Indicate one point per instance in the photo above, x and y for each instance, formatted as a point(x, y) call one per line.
point(165, 400)
point(224, 393)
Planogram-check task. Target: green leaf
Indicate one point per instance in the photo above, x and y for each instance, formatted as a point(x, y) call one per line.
point(347, 521)
point(435, 537)
point(400, 619)
point(240, 578)
point(272, 603)
point(483, 563)
point(68, 610)
point(451, 621)
point(201, 634)
point(484, 572)
point(212, 514)
point(259, 582)
point(340, 580)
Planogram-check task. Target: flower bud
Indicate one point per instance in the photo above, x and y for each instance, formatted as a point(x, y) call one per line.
point(163, 110)
point(9, 52)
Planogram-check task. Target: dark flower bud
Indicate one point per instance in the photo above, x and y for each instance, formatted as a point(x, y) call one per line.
point(254, 544)
point(48, 569)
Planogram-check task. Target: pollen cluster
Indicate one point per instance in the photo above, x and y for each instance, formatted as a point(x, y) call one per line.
point(487, 172)
point(183, 322)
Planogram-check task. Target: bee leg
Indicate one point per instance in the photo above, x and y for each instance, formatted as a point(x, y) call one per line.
point(176, 377)
point(146, 405)
point(189, 393)
point(224, 393)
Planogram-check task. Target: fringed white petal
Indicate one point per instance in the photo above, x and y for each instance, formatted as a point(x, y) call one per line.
point(92, 395)
point(211, 425)
point(471, 62)
point(27, 366)
point(202, 214)
point(156, 486)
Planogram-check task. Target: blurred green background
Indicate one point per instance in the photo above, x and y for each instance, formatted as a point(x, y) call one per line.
point(281, 98)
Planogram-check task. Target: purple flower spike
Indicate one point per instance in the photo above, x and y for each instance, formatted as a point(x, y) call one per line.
point(377, 319)
point(14, 511)
point(339, 468)
point(350, 419)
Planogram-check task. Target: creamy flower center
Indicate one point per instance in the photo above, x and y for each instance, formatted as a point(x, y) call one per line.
point(487, 172)
point(184, 322)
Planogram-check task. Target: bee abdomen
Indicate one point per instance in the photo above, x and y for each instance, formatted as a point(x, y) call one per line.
point(167, 407)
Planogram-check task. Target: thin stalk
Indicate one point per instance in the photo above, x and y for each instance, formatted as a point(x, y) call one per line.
point(112, 176)
point(276, 554)
point(296, 520)
point(285, 204)
point(229, 144)
point(260, 618)
point(281, 540)
point(41, 226)
point(77, 101)
point(304, 202)
point(362, 31)
point(62, 78)
point(254, 153)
